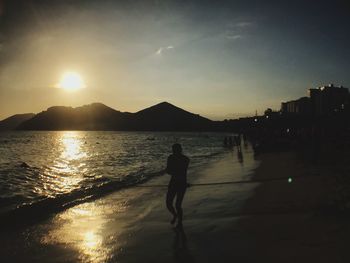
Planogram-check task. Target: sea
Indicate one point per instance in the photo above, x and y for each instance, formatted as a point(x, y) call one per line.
point(56, 168)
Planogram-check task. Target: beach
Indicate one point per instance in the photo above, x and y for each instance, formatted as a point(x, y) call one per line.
point(277, 221)
point(174, 131)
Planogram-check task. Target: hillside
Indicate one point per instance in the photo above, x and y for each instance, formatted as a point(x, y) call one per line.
point(12, 122)
point(97, 116)
point(167, 117)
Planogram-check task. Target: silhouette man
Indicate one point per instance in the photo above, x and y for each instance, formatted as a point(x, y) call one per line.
point(240, 157)
point(238, 142)
point(177, 165)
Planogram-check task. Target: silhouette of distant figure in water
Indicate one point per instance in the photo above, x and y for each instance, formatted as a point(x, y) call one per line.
point(240, 156)
point(230, 142)
point(225, 142)
point(245, 140)
point(177, 165)
point(238, 142)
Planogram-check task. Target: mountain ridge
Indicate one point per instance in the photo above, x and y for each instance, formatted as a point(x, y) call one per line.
point(13, 121)
point(163, 116)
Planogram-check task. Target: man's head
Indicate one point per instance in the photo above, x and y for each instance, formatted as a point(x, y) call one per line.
point(177, 149)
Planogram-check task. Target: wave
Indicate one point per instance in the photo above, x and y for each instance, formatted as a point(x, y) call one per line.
point(31, 212)
point(207, 156)
point(14, 172)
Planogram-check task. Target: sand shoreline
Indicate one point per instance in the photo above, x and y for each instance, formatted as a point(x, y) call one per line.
point(245, 223)
point(287, 225)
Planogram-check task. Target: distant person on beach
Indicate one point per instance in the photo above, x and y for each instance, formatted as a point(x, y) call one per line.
point(177, 165)
point(230, 142)
point(225, 142)
point(238, 142)
point(240, 156)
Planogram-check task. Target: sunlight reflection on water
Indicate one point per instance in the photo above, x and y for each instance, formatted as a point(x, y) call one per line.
point(71, 142)
point(83, 228)
point(40, 164)
point(66, 172)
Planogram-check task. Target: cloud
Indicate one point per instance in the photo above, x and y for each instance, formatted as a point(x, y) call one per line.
point(234, 37)
point(236, 31)
point(240, 25)
point(161, 50)
point(244, 24)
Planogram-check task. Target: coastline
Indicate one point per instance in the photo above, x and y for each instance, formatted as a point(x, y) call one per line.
point(268, 222)
point(80, 233)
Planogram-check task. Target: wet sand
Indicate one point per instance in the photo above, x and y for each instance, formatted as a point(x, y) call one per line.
point(269, 222)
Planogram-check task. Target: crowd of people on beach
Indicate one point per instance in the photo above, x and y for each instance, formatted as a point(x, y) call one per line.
point(230, 142)
point(234, 141)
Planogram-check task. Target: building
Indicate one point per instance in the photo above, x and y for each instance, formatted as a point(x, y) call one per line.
point(271, 114)
point(328, 99)
point(321, 101)
point(299, 106)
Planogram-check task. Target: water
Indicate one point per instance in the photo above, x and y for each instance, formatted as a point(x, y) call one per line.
point(37, 167)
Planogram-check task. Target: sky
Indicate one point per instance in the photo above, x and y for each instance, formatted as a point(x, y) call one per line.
point(220, 59)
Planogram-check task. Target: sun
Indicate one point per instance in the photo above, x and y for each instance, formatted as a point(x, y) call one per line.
point(71, 81)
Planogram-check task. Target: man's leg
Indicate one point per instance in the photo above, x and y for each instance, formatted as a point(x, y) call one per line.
point(169, 203)
point(179, 198)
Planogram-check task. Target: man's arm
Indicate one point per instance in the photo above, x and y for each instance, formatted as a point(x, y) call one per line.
point(168, 166)
point(187, 162)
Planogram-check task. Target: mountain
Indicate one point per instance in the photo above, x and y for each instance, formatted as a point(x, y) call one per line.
point(167, 117)
point(97, 116)
point(12, 122)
